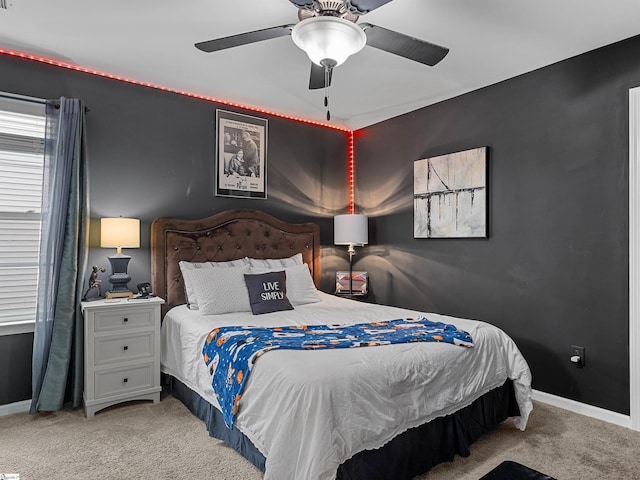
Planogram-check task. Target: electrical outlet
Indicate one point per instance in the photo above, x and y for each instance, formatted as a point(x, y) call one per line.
point(578, 352)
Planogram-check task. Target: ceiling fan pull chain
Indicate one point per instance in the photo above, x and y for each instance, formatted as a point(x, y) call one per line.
point(327, 73)
point(326, 102)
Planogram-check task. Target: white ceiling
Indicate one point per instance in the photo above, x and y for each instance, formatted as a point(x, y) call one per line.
point(152, 41)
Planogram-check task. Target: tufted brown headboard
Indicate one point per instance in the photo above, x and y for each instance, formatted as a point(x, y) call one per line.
point(222, 237)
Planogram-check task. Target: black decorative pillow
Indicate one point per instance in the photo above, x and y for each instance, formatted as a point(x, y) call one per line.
point(267, 292)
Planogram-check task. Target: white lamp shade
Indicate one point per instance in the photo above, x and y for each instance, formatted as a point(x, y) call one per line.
point(328, 38)
point(120, 232)
point(350, 229)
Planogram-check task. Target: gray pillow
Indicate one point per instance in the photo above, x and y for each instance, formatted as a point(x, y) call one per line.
point(300, 287)
point(219, 290)
point(267, 292)
point(189, 288)
point(272, 263)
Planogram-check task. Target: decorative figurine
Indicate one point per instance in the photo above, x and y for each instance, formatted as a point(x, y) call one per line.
point(94, 282)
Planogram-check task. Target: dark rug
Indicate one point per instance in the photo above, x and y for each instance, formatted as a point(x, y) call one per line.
point(514, 471)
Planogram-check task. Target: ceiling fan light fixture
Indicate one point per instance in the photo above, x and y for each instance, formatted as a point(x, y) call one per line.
point(326, 37)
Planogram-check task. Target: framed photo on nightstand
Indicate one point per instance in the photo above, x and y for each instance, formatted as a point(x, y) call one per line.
point(360, 283)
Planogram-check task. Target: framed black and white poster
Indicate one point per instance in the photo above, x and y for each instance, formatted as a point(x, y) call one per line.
point(241, 155)
point(450, 195)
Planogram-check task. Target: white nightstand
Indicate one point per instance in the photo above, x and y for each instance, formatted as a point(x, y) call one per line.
point(121, 352)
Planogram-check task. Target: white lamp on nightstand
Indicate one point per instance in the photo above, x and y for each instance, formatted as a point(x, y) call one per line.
point(119, 233)
point(351, 230)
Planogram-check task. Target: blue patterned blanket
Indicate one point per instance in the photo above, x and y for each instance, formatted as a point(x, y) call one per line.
point(231, 352)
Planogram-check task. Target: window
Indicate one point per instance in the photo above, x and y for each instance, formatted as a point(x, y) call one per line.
point(22, 126)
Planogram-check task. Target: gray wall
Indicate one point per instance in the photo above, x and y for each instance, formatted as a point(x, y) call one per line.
point(554, 270)
point(151, 154)
point(15, 367)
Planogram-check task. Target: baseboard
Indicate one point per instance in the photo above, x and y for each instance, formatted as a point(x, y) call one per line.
point(17, 407)
point(583, 409)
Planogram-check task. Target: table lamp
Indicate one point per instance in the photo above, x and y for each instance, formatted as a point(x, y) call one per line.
point(119, 233)
point(351, 230)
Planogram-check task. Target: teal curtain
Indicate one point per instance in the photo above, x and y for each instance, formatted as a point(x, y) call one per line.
point(57, 368)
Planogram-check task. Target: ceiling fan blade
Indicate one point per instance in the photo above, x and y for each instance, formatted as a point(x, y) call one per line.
point(303, 3)
point(316, 79)
point(244, 38)
point(360, 7)
point(403, 45)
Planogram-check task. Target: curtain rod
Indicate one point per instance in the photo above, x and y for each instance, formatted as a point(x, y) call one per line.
point(24, 98)
point(40, 101)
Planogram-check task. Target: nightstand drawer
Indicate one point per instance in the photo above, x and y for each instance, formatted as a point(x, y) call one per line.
point(123, 380)
point(119, 319)
point(109, 349)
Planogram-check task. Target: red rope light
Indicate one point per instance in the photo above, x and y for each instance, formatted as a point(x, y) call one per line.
point(351, 173)
point(78, 68)
point(98, 73)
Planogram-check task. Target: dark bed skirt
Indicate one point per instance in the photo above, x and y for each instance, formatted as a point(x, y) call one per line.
point(409, 454)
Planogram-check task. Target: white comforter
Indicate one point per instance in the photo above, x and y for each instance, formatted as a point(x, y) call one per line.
point(309, 411)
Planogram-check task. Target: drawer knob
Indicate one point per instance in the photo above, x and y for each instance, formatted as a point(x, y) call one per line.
point(125, 320)
point(125, 380)
point(125, 348)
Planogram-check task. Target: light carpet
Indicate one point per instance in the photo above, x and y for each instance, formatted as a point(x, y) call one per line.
point(140, 440)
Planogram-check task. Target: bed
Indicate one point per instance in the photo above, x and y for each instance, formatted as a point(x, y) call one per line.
point(378, 412)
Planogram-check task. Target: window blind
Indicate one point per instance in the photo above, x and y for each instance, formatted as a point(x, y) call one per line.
point(21, 171)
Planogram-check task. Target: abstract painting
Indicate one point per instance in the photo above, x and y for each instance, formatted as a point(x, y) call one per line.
point(450, 195)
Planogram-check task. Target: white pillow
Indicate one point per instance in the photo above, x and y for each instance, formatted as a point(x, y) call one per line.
point(300, 286)
point(219, 290)
point(271, 263)
point(189, 293)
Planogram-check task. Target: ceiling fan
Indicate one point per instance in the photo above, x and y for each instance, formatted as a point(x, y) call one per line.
point(335, 17)
point(328, 33)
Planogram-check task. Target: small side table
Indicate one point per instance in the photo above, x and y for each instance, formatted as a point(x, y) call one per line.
point(121, 351)
point(360, 297)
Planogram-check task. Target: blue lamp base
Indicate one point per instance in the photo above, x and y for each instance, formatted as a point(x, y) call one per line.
point(120, 278)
